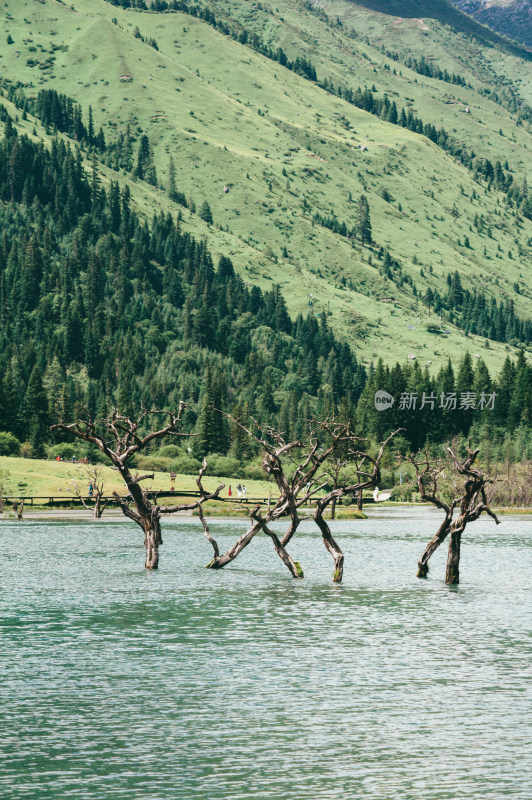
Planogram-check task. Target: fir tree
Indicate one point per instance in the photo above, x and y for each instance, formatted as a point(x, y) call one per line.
point(36, 412)
point(363, 222)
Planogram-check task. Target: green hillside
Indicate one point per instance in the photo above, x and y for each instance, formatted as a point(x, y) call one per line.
point(289, 151)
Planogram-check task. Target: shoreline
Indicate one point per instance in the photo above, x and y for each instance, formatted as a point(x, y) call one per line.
point(115, 515)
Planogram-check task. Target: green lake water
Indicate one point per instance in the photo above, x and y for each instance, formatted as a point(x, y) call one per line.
point(124, 684)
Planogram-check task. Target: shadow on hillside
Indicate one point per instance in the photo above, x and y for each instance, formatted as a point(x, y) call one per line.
point(446, 13)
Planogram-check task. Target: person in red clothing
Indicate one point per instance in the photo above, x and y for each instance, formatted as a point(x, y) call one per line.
point(230, 492)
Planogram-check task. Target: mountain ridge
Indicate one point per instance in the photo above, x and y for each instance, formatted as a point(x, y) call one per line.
point(512, 18)
point(449, 12)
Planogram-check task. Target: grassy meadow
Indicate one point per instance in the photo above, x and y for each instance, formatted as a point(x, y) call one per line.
point(37, 478)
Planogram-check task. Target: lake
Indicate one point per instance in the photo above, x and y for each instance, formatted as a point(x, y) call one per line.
point(124, 684)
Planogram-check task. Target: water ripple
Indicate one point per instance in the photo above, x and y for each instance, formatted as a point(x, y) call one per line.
point(126, 685)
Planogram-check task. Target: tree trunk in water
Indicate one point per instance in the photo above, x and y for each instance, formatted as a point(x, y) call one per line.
point(152, 540)
point(359, 501)
point(331, 546)
point(437, 539)
point(452, 574)
point(220, 561)
point(98, 510)
point(333, 508)
point(294, 566)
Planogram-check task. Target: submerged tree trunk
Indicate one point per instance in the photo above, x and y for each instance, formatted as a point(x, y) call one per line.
point(452, 574)
point(333, 507)
point(437, 539)
point(99, 507)
point(294, 566)
point(220, 561)
point(152, 539)
point(18, 508)
point(333, 548)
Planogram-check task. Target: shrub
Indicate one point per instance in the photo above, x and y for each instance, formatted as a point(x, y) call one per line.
point(153, 461)
point(66, 450)
point(9, 444)
point(254, 471)
point(186, 465)
point(26, 450)
point(226, 466)
point(170, 451)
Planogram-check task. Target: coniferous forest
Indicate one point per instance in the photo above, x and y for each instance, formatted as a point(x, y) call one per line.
point(99, 307)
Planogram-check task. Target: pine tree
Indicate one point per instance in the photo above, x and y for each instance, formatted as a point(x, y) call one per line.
point(205, 212)
point(143, 158)
point(212, 428)
point(36, 413)
point(127, 392)
point(90, 128)
point(363, 222)
point(504, 390)
point(428, 299)
point(464, 386)
point(172, 188)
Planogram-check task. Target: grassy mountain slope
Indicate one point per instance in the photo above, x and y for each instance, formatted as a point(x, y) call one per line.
point(228, 116)
point(503, 69)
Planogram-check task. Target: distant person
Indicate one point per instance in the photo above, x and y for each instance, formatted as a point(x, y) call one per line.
point(90, 490)
point(239, 490)
point(230, 492)
point(244, 491)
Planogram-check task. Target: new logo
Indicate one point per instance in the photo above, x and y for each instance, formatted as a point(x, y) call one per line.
point(383, 400)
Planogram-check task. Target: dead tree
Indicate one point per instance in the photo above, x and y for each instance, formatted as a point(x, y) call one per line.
point(97, 481)
point(119, 438)
point(471, 503)
point(307, 462)
point(367, 468)
point(337, 466)
point(18, 508)
point(275, 451)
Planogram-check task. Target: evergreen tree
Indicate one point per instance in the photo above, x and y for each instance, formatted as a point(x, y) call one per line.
point(363, 222)
point(205, 212)
point(212, 428)
point(143, 158)
point(466, 404)
point(36, 412)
